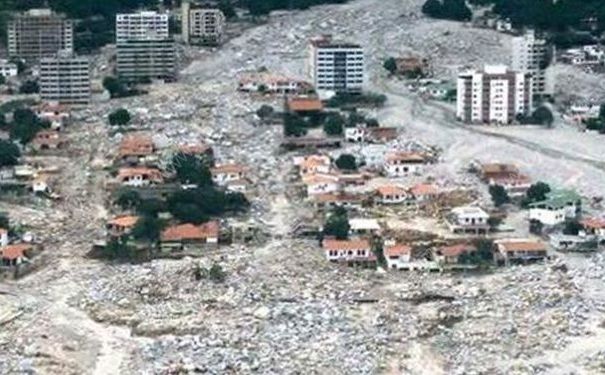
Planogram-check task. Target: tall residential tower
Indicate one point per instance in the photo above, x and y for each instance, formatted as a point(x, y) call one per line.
point(336, 66)
point(531, 55)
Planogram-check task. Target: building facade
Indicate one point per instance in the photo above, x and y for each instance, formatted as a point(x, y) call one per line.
point(493, 95)
point(336, 66)
point(8, 69)
point(203, 26)
point(530, 55)
point(65, 79)
point(145, 50)
point(141, 25)
point(39, 33)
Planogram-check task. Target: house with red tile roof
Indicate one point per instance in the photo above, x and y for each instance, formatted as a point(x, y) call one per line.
point(304, 105)
point(14, 255)
point(222, 174)
point(47, 140)
point(135, 147)
point(520, 250)
point(140, 176)
point(121, 225)
point(183, 235)
point(397, 255)
point(355, 251)
point(391, 194)
point(404, 163)
point(594, 226)
point(313, 164)
point(422, 193)
point(451, 254)
point(338, 199)
point(321, 183)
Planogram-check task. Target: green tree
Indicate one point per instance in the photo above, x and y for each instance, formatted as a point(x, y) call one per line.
point(119, 117)
point(191, 169)
point(26, 125)
point(115, 86)
point(390, 64)
point(294, 125)
point(216, 273)
point(9, 153)
point(346, 162)
point(129, 199)
point(536, 193)
point(2, 79)
point(148, 228)
point(227, 8)
point(543, 116)
point(572, 227)
point(265, 111)
point(432, 8)
point(499, 195)
point(333, 124)
point(29, 87)
point(337, 224)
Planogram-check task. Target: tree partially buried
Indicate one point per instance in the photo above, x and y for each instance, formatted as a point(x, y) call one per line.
point(346, 162)
point(119, 117)
point(337, 224)
point(9, 153)
point(499, 195)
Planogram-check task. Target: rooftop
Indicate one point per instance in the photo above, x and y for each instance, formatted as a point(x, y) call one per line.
point(184, 232)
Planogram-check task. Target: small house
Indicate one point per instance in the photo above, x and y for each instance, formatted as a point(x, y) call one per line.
point(321, 183)
point(47, 140)
point(121, 225)
point(353, 251)
point(451, 254)
point(140, 176)
point(520, 250)
point(594, 227)
point(3, 237)
point(468, 219)
point(14, 255)
point(136, 147)
point(313, 164)
point(422, 193)
point(304, 105)
point(403, 163)
point(398, 256)
point(223, 174)
point(185, 235)
point(364, 227)
point(391, 194)
point(558, 206)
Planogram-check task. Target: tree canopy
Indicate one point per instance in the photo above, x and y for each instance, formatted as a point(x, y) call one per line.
point(346, 162)
point(119, 117)
point(337, 224)
point(9, 153)
point(191, 169)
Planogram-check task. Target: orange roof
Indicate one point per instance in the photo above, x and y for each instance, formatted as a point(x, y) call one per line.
point(185, 232)
point(337, 197)
point(424, 189)
point(331, 244)
point(511, 246)
point(127, 221)
point(136, 145)
point(498, 168)
point(397, 250)
point(593, 223)
point(314, 161)
point(12, 252)
point(316, 178)
point(47, 137)
point(228, 168)
point(390, 190)
point(456, 250)
point(151, 173)
point(405, 156)
point(194, 149)
point(304, 104)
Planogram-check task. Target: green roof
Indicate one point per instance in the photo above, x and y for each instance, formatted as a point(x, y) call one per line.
point(558, 199)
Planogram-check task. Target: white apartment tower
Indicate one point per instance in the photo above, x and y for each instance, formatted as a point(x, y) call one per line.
point(142, 25)
point(493, 95)
point(530, 55)
point(202, 26)
point(65, 79)
point(145, 50)
point(336, 66)
point(39, 33)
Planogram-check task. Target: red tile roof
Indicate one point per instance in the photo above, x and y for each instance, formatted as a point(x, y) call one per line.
point(127, 221)
point(305, 104)
point(151, 173)
point(518, 246)
point(456, 250)
point(593, 223)
point(424, 189)
point(332, 244)
point(136, 145)
point(397, 250)
point(390, 190)
point(191, 232)
point(12, 252)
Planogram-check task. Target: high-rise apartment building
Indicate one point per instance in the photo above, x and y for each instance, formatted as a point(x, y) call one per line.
point(530, 55)
point(336, 66)
point(39, 33)
point(493, 95)
point(145, 50)
point(65, 79)
point(203, 26)
point(141, 25)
